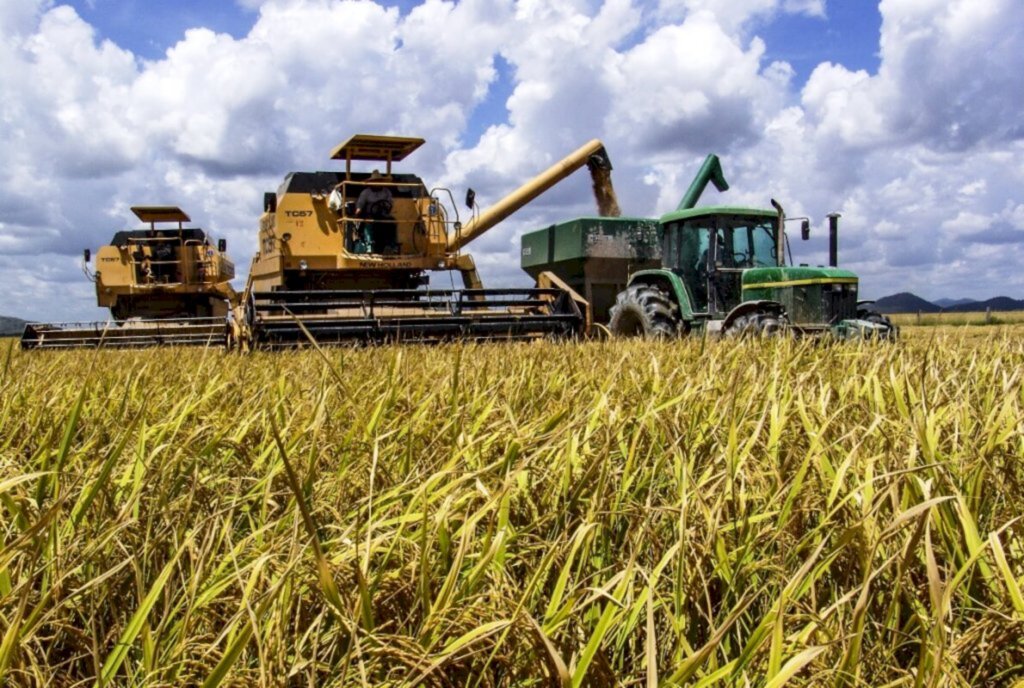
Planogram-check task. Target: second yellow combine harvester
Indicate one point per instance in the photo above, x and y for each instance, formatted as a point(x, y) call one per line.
point(163, 285)
point(347, 255)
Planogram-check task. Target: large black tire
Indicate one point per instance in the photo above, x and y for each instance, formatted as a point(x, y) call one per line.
point(119, 311)
point(757, 324)
point(877, 318)
point(644, 310)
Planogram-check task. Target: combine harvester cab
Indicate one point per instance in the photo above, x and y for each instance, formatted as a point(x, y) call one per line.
point(163, 286)
point(718, 269)
point(334, 268)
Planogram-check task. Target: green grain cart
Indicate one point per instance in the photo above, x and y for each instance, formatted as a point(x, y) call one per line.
point(718, 269)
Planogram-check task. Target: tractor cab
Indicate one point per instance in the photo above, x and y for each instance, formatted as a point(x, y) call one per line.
point(728, 259)
point(711, 248)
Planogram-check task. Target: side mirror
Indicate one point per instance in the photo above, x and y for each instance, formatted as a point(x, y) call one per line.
point(87, 255)
point(222, 245)
point(805, 229)
point(270, 202)
point(470, 198)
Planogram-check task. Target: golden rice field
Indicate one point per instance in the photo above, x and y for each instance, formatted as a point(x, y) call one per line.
point(617, 513)
point(954, 318)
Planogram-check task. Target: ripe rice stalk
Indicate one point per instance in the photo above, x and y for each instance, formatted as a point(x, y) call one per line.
point(695, 512)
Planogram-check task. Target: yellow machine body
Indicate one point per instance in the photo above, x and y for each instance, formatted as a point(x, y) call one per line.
point(314, 260)
point(163, 285)
point(163, 272)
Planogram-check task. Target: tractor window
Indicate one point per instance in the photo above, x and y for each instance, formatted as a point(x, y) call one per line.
point(723, 248)
point(694, 244)
point(743, 243)
point(685, 251)
point(740, 254)
point(670, 249)
point(762, 241)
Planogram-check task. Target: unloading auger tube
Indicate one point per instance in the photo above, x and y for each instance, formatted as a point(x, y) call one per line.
point(710, 171)
point(591, 154)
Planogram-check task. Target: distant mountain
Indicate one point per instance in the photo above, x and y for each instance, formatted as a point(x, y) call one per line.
point(904, 302)
point(10, 327)
point(950, 303)
point(999, 303)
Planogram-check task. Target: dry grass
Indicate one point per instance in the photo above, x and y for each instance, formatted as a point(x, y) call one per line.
point(959, 319)
point(692, 513)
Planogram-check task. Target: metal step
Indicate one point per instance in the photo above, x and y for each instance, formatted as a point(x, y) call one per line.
point(129, 334)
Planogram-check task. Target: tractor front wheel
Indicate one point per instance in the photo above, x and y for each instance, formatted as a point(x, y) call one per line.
point(757, 324)
point(890, 331)
point(645, 310)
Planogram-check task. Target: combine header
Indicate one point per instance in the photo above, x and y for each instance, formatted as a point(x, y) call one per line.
point(414, 315)
point(346, 255)
point(163, 286)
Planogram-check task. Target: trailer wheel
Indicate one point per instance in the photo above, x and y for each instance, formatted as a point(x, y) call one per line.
point(644, 310)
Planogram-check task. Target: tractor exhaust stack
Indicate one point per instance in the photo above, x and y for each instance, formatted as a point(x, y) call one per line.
point(833, 239)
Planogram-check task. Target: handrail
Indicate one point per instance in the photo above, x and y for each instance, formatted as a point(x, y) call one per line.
point(131, 240)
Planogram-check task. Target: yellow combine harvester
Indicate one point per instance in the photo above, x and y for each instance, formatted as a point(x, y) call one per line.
point(346, 255)
point(163, 285)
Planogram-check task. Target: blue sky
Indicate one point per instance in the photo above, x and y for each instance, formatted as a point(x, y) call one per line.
point(847, 34)
point(904, 115)
point(149, 27)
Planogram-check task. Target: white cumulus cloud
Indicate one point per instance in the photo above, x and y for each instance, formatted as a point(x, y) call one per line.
point(924, 157)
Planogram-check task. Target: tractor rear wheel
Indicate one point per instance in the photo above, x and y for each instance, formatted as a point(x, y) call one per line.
point(644, 310)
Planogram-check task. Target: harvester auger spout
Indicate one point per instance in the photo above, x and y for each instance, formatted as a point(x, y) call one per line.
point(164, 286)
point(591, 154)
point(346, 255)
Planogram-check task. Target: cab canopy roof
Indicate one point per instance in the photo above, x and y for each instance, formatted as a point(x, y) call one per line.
point(160, 213)
point(371, 147)
point(704, 211)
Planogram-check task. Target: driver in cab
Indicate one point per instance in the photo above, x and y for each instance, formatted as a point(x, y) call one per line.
point(373, 204)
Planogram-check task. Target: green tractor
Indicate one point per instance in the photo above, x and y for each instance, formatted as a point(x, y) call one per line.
point(714, 269)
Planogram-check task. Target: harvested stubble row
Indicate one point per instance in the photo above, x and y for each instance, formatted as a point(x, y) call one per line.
point(712, 513)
